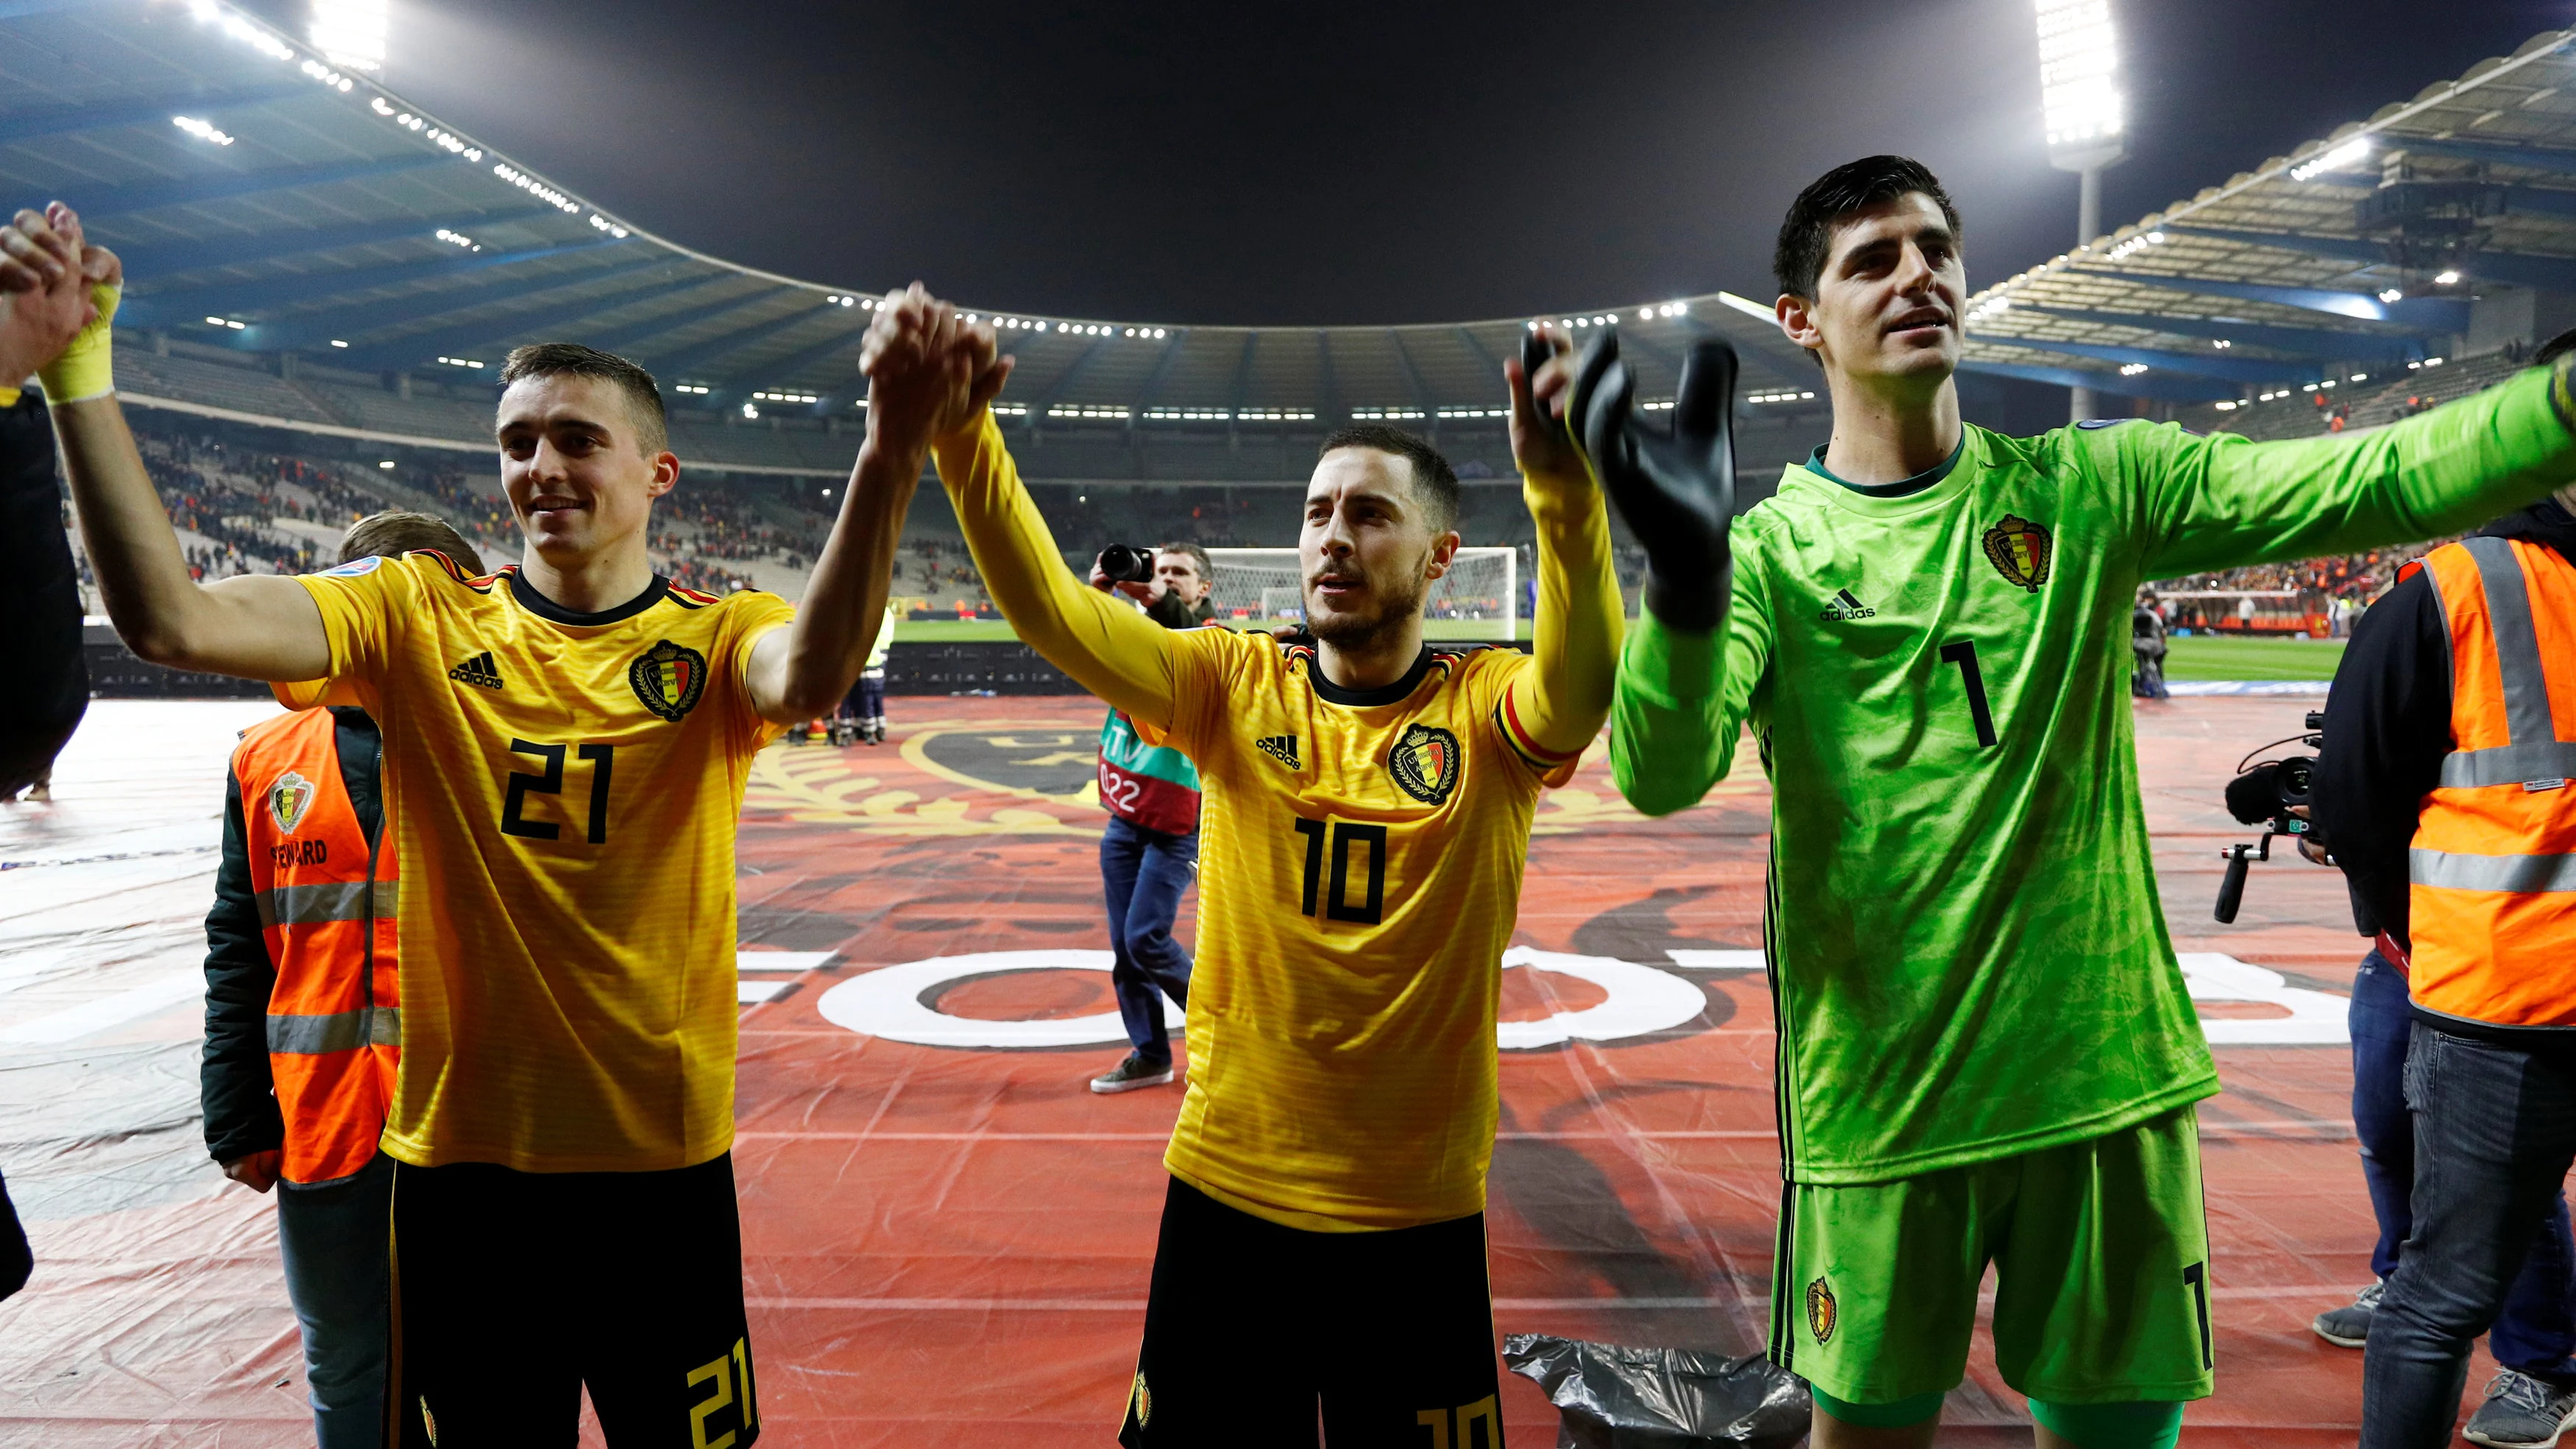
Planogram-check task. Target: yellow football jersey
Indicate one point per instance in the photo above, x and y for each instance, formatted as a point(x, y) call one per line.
point(1360, 860)
point(564, 789)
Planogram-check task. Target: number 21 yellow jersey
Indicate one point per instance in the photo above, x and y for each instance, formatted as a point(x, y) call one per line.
point(564, 789)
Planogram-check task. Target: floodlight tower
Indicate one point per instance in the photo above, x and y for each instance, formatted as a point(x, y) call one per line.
point(2079, 98)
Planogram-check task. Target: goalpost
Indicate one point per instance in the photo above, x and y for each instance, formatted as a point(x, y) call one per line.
point(1479, 598)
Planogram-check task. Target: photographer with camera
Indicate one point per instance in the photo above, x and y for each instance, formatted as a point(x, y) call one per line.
point(2444, 795)
point(1149, 852)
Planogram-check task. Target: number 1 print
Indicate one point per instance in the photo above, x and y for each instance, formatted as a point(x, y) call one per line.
point(1964, 654)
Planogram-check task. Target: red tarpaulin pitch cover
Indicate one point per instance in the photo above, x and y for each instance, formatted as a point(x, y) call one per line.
point(947, 1236)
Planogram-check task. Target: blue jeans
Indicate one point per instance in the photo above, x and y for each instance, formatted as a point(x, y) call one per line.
point(333, 1239)
point(2536, 1332)
point(2495, 1132)
point(1145, 872)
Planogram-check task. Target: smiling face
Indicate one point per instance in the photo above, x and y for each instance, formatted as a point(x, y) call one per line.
point(1370, 547)
point(1890, 297)
point(573, 464)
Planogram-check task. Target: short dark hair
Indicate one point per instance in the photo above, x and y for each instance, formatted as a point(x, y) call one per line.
point(571, 359)
point(1434, 481)
point(395, 533)
point(1807, 233)
point(1198, 557)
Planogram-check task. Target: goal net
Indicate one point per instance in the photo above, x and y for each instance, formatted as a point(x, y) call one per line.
point(1479, 596)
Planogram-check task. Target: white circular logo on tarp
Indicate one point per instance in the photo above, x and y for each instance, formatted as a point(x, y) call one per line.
point(1639, 1001)
point(890, 1003)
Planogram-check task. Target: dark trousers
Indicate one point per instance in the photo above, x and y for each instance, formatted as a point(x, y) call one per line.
point(515, 1291)
point(333, 1240)
point(2495, 1132)
point(866, 699)
point(1255, 1332)
point(2148, 682)
point(1144, 872)
point(2536, 1332)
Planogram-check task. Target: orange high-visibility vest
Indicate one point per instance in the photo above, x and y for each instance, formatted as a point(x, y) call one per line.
point(326, 907)
point(2493, 867)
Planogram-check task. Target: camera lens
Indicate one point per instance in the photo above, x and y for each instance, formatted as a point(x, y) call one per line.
point(1123, 563)
point(2293, 779)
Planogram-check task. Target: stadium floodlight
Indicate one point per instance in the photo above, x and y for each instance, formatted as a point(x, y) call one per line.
point(2446, 277)
point(350, 32)
point(2083, 113)
point(2350, 153)
point(202, 130)
point(2079, 83)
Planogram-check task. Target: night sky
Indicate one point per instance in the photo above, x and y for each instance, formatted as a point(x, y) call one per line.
point(1379, 163)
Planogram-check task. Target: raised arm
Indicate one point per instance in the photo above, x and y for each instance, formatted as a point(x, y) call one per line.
point(1682, 700)
point(932, 376)
point(2224, 502)
point(258, 627)
point(1101, 641)
point(1698, 656)
point(1560, 703)
point(802, 670)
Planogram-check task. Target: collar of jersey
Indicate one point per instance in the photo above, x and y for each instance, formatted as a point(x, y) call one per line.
point(1902, 487)
point(1930, 489)
point(545, 608)
point(1331, 693)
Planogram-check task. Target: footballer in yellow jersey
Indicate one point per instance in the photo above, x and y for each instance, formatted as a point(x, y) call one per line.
point(1368, 806)
point(566, 744)
point(570, 782)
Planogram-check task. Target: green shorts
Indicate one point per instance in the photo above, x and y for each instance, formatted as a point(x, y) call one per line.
point(2101, 1254)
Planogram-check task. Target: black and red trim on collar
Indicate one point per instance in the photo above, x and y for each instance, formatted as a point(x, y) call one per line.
point(527, 597)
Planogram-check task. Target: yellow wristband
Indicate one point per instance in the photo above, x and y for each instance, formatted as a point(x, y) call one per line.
point(87, 367)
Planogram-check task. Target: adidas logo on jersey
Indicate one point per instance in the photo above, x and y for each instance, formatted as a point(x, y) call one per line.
point(1282, 748)
point(479, 670)
point(1845, 608)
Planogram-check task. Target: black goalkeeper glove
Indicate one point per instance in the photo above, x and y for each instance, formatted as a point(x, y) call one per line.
point(1677, 488)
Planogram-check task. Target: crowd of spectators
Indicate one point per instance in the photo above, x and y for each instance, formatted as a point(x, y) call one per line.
point(231, 498)
point(2334, 590)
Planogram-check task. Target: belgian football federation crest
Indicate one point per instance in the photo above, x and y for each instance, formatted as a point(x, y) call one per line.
point(1140, 1401)
point(289, 796)
point(1821, 1311)
point(668, 678)
point(1426, 762)
point(2021, 551)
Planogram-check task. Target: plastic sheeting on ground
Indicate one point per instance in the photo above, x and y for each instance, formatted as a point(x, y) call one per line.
point(1618, 1397)
point(948, 1244)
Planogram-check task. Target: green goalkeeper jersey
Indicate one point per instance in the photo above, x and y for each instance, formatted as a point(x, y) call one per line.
point(1966, 951)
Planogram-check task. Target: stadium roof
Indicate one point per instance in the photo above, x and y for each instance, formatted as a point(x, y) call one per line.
point(267, 202)
point(270, 203)
point(2368, 249)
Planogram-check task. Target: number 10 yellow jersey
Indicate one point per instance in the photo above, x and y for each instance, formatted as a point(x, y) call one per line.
point(564, 789)
point(1360, 871)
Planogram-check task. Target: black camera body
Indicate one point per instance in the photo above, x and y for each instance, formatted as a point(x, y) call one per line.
point(1127, 563)
point(2264, 795)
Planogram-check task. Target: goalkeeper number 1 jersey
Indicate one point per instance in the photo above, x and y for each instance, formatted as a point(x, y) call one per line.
point(1967, 951)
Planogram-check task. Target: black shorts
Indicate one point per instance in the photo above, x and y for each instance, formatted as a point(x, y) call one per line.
point(1253, 1328)
point(512, 1290)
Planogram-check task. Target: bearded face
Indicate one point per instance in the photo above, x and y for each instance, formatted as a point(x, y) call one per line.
point(1369, 549)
